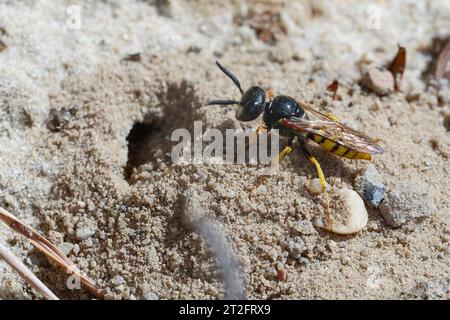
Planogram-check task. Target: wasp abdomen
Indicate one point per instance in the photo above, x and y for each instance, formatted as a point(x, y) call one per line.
point(338, 149)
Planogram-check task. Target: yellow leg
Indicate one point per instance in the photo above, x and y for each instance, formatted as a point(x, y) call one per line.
point(260, 129)
point(323, 183)
point(283, 153)
point(269, 95)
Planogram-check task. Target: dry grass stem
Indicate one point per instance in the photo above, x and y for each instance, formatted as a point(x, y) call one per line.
point(26, 273)
point(49, 249)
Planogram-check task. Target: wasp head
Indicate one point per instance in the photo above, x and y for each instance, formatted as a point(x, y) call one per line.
point(252, 102)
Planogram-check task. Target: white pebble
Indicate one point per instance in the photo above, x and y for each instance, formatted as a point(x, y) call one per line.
point(66, 248)
point(345, 260)
point(85, 230)
point(315, 187)
point(357, 218)
point(261, 189)
point(117, 280)
point(150, 296)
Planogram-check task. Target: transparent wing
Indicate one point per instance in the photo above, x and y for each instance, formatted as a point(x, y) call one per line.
point(335, 131)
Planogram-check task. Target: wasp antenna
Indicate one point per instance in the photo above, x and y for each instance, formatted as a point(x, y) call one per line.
point(222, 102)
point(231, 76)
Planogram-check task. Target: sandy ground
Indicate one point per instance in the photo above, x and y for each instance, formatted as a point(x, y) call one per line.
point(70, 167)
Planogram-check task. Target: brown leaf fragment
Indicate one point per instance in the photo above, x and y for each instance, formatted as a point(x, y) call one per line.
point(134, 57)
point(397, 66)
point(442, 61)
point(333, 87)
point(281, 275)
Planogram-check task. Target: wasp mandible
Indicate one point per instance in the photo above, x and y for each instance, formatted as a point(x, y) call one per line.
point(298, 119)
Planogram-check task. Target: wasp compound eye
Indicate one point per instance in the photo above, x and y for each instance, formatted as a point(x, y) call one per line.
point(252, 104)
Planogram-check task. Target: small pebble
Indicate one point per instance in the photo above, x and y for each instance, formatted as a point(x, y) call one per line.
point(315, 188)
point(304, 227)
point(332, 245)
point(91, 206)
point(379, 243)
point(357, 218)
point(66, 248)
point(364, 252)
point(296, 247)
point(120, 288)
point(76, 249)
point(370, 187)
point(406, 202)
point(304, 261)
point(272, 272)
point(298, 180)
point(150, 296)
point(279, 266)
point(261, 189)
point(281, 274)
point(117, 280)
point(85, 229)
point(377, 79)
point(345, 260)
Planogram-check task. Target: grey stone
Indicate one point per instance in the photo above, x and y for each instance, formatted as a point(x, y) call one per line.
point(407, 202)
point(304, 227)
point(85, 229)
point(295, 248)
point(370, 187)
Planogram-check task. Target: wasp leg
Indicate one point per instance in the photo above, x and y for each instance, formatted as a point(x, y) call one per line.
point(284, 152)
point(269, 95)
point(261, 129)
point(323, 183)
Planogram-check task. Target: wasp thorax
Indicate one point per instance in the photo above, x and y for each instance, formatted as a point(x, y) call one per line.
point(252, 104)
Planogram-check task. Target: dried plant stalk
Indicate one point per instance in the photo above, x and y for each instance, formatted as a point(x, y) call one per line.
point(26, 273)
point(48, 249)
point(441, 64)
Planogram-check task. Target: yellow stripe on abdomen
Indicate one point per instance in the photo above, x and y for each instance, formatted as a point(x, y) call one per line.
point(362, 156)
point(328, 145)
point(338, 149)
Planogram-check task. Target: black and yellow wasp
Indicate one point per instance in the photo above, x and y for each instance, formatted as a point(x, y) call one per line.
point(298, 119)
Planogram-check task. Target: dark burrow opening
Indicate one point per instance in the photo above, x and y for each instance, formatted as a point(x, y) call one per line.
point(138, 146)
point(149, 140)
